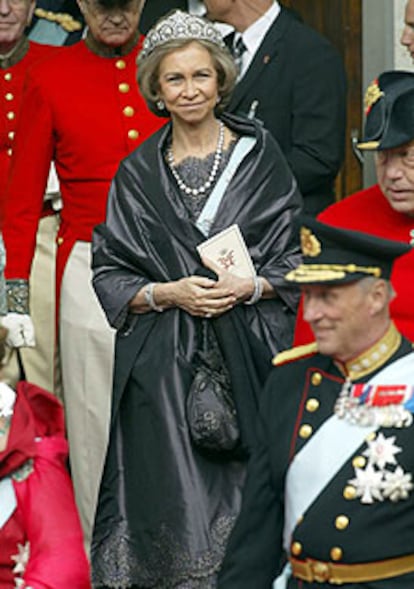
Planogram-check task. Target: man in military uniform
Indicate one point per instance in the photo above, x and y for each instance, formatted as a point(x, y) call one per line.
point(82, 110)
point(330, 483)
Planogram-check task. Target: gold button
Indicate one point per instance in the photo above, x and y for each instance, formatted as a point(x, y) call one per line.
point(316, 378)
point(133, 134)
point(10, 115)
point(305, 431)
point(341, 522)
point(9, 96)
point(128, 111)
point(359, 462)
point(312, 405)
point(9, 151)
point(59, 240)
point(10, 135)
point(371, 437)
point(124, 88)
point(336, 553)
point(8, 77)
point(120, 64)
point(349, 492)
point(296, 548)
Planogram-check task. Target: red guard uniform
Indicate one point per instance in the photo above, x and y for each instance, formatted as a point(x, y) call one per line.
point(369, 211)
point(12, 77)
point(83, 111)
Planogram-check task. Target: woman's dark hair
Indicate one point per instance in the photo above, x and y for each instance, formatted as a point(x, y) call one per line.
point(148, 72)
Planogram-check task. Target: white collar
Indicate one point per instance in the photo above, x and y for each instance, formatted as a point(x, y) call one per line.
point(254, 35)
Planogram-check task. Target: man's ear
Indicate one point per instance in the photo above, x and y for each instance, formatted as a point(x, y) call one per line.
point(380, 296)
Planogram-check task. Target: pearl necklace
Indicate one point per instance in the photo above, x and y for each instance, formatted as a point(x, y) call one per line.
point(214, 169)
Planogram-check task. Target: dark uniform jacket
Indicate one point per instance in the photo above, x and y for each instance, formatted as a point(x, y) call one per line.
point(298, 398)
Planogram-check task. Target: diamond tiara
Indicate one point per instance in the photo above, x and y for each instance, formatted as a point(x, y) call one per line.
point(180, 25)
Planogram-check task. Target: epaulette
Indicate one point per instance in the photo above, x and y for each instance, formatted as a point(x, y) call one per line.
point(66, 21)
point(295, 353)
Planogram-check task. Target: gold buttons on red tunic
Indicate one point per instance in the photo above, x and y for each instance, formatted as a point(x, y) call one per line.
point(341, 522)
point(312, 405)
point(9, 96)
point(120, 64)
point(59, 240)
point(10, 135)
point(124, 87)
point(316, 379)
point(305, 431)
point(128, 111)
point(9, 151)
point(10, 115)
point(133, 134)
point(8, 76)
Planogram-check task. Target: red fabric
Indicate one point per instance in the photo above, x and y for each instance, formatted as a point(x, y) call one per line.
point(11, 83)
point(46, 514)
point(369, 211)
point(75, 114)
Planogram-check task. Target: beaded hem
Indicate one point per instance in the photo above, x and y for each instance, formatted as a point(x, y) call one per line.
point(116, 563)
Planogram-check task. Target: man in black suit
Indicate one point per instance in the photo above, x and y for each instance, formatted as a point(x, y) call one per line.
point(293, 80)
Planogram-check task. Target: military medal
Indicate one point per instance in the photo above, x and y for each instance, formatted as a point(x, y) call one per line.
point(376, 405)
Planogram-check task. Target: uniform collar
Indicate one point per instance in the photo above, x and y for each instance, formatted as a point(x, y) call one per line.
point(15, 55)
point(374, 357)
point(103, 50)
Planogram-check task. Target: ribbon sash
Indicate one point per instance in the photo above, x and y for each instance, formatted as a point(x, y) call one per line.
point(8, 501)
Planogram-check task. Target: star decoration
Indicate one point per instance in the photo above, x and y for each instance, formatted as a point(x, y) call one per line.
point(367, 484)
point(382, 451)
point(21, 559)
point(397, 484)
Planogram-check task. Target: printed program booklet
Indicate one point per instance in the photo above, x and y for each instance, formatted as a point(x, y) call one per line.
point(228, 250)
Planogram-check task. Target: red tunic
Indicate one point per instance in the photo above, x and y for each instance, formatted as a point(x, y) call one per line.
point(85, 112)
point(369, 211)
point(11, 90)
point(45, 522)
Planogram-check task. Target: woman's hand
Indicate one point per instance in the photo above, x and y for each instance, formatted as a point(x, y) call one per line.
point(203, 297)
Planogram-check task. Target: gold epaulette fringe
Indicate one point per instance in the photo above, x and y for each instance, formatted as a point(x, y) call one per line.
point(295, 353)
point(66, 21)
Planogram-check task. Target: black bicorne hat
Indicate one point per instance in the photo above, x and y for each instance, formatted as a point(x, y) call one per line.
point(389, 109)
point(333, 255)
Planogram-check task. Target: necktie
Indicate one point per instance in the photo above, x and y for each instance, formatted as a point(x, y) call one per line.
point(238, 49)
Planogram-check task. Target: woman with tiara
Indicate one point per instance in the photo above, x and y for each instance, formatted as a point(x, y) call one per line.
point(171, 487)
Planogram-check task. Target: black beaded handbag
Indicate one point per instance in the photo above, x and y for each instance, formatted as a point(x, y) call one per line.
point(211, 413)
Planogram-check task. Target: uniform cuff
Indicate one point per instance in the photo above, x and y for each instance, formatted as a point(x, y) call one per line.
point(18, 296)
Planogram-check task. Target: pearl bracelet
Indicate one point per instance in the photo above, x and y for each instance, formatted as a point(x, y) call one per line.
point(149, 298)
point(257, 292)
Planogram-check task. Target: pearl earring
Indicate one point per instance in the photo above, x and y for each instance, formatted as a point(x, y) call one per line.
point(160, 104)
